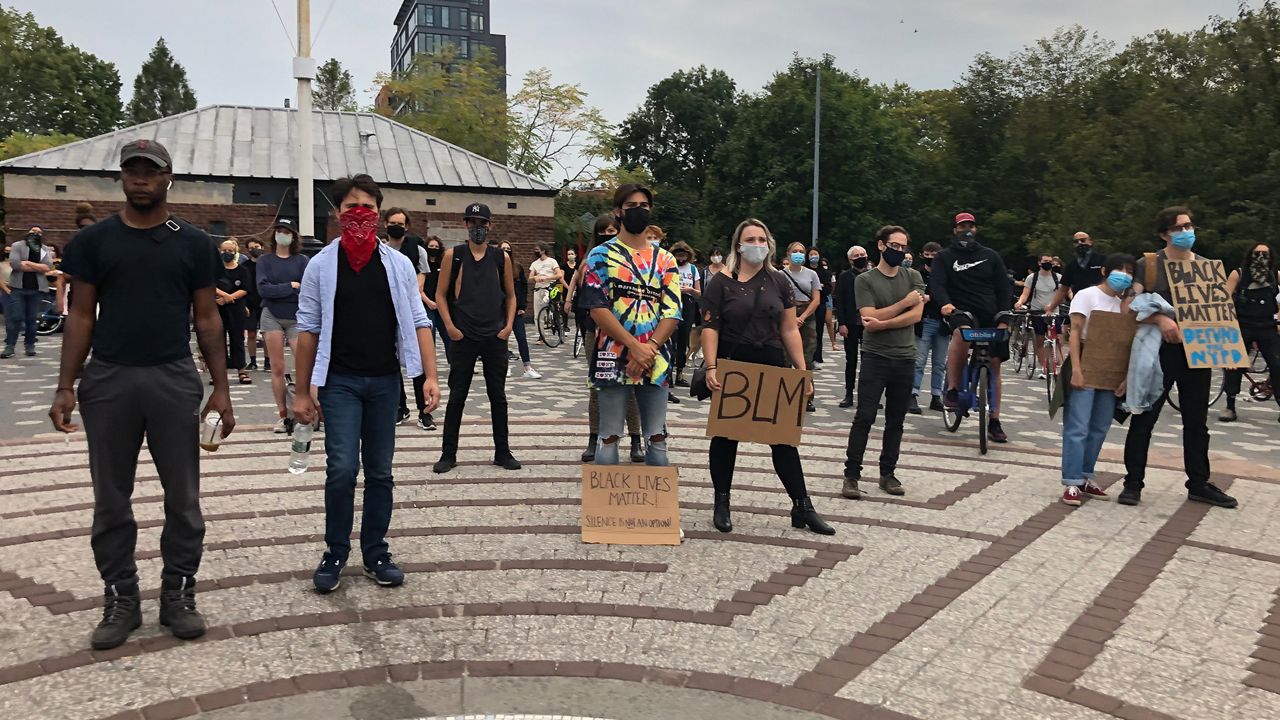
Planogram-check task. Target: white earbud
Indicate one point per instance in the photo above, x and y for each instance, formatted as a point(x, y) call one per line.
point(170, 185)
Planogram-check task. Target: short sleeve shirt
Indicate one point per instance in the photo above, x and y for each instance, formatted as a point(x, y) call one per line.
point(876, 290)
point(747, 312)
point(145, 279)
point(1044, 288)
point(1090, 299)
point(1078, 276)
point(544, 266)
point(805, 285)
point(641, 288)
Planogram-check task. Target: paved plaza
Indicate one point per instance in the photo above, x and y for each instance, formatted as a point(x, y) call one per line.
point(977, 595)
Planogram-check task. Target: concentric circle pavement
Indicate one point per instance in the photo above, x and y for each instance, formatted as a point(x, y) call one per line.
point(977, 595)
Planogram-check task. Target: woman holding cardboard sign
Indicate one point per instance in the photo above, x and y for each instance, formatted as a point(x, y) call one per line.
point(748, 316)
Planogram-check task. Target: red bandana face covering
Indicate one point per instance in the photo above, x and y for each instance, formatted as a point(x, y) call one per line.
point(359, 235)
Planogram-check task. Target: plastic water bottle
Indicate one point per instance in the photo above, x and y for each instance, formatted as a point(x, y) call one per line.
point(300, 455)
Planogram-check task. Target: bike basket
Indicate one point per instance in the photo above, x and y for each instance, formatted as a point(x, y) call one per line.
point(984, 334)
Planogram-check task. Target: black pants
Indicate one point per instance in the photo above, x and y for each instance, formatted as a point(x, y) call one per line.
point(121, 406)
point(418, 397)
point(820, 315)
point(682, 343)
point(852, 346)
point(1193, 399)
point(892, 379)
point(1269, 344)
point(724, 452)
point(233, 322)
point(462, 355)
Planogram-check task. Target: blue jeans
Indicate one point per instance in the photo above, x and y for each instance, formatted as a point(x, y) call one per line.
point(1085, 421)
point(652, 401)
point(437, 328)
point(21, 314)
point(359, 425)
point(522, 338)
point(933, 340)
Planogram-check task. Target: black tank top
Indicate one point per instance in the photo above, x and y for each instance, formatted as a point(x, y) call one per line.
point(477, 306)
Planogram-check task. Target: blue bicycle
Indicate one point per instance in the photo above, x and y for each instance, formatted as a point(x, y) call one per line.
point(977, 392)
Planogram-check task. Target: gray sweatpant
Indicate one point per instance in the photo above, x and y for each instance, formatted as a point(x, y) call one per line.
point(121, 405)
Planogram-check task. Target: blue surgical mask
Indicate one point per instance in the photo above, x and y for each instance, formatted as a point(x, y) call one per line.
point(1119, 281)
point(797, 258)
point(1183, 239)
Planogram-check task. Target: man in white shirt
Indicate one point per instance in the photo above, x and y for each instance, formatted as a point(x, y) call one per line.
point(544, 272)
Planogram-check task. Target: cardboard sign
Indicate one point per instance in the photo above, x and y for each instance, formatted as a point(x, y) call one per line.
point(1106, 351)
point(630, 505)
point(1206, 314)
point(758, 403)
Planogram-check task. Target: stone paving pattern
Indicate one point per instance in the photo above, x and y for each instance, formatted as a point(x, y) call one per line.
point(977, 595)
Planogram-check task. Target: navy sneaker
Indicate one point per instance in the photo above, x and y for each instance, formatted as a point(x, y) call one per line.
point(328, 576)
point(384, 572)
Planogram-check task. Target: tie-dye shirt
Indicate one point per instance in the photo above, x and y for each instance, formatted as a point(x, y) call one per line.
point(641, 288)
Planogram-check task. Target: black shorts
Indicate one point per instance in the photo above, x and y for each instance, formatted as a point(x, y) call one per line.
point(1040, 323)
point(255, 317)
point(957, 320)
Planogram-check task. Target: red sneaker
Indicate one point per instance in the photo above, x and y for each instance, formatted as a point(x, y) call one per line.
point(1094, 492)
point(1071, 495)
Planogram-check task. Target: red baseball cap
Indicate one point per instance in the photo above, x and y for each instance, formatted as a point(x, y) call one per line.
point(965, 217)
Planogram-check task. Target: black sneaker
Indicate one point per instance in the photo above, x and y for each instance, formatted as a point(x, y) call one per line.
point(266, 365)
point(889, 483)
point(936, 404)
point(995, 432)
point(680, 381)
point(384, 572)
point(444, 464)
point(847, 402)
point(809, 408)
point(913, 406)
point(671, 398)
point(328, 576)
point(951, 400)
point(121, 615)
point(507, 462)
point(1209, 493)
point(1129, 496)
point(31, 352)
point(8, 353)
point(178, 609)
point(426, 422)
point(403, 416)
point(251, 367)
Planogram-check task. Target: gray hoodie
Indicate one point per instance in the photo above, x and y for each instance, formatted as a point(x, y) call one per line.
point(21, 251)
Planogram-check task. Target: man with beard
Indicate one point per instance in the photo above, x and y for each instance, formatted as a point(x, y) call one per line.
point(142, 384)
point(970, 284)
point(1083, 272)
point(849, 319)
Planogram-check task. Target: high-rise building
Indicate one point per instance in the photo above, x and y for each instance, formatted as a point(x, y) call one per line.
point(429, 25)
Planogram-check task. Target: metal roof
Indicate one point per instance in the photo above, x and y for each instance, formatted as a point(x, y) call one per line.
point(234, 141)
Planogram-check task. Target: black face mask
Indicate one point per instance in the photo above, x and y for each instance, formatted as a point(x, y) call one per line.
point(928, 261)
point(228, 257)
point(434, 253)
point(966, 240)
point(395, 232)
point(636, 219)
point(893, 258)
point(860, 263)
point(1046, 266)
point(1082, 250)
point(255, 253)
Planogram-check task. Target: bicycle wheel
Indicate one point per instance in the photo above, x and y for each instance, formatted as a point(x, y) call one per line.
point(577, 341)
point(1217, 387)
point(1261, 391)
point(1018, 348)
point(1051, 361)
point(548, 328)
point(950, 418)
point(1257, 362)
point(984, 379)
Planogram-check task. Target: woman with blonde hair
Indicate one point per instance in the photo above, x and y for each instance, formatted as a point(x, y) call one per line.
point(748, 316)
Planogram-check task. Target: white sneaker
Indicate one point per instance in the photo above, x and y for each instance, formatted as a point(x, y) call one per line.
point(281, 428)
point(531, 374)
point(508, 370)
point(1041, 376)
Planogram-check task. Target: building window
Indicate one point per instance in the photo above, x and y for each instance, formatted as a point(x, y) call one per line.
point(427, 15)
point(431, 202)
point(512, 206)
point(477, 2)
point(463, 18)
point(477, 22)
point(464, 47)
point(59, 188)
point(444, 17)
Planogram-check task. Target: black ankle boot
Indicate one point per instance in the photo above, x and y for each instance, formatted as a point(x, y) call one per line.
point(589, 455)
point(637, 449)
point(720, 515)
point(178, 608)
point(804, 516)
point(121, 615)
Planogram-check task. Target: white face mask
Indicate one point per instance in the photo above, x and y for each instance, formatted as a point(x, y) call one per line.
point(283, 238)
point(754, 254)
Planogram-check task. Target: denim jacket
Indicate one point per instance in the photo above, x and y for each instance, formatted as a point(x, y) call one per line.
point(1145, 383)
point(315, 306)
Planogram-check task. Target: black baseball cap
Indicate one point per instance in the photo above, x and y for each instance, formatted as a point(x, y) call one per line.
point(285, 223)
point(479, 211)
point(149, 149)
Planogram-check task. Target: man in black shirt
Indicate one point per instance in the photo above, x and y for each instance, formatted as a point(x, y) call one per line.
point(971, 280)
point(849, 319)
point(360, 318)
point(472, 279)
point(142, 384)
point(1083, 272)
point(412, 247)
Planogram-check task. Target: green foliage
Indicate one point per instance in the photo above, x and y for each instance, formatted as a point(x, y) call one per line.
point(161, 88)
point(333, 89)
point(551, 125)
point(19, 144)
point(51, 87)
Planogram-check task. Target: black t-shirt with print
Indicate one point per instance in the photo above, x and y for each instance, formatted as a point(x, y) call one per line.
point(145, 280)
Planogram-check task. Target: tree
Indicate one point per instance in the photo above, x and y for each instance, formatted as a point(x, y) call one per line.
point(52, 87)
point(19, 144)
point(457, 100)
point(333, 88)
point(161, 88)
point(551, 125)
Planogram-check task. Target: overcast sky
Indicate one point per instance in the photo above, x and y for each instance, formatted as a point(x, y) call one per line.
point(237, 52)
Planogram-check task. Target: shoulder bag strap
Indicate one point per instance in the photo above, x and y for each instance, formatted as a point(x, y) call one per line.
point(1151, 267)
point(807, 298)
